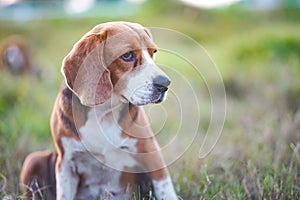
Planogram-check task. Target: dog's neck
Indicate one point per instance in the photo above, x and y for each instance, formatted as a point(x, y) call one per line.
point(130, 118)
point(125, 114)
point(113, 106)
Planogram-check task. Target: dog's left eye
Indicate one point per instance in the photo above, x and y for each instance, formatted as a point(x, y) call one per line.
point(128, 57)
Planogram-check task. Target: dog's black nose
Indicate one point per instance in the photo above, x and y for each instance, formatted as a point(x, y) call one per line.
point(161, 83)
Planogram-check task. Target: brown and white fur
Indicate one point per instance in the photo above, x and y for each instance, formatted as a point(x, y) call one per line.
point(105, 147)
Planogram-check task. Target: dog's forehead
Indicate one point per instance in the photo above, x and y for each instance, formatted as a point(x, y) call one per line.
point(117, 27)
point(126, 35)
point(122, 37)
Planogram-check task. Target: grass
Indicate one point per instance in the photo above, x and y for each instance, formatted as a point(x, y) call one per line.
point(258, 154)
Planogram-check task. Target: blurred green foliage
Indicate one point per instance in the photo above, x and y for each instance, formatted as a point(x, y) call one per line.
point(278, 49)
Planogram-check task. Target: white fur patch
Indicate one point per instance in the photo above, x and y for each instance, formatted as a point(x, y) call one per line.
point(101, 134)
point(66, 182)
point(164, 189)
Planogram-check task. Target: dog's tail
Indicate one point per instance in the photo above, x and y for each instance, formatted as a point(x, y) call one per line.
point(37, 178)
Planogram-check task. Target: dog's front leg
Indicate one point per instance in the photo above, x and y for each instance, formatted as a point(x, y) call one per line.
point(66, 179)
point(163, 188)
point(152, 160)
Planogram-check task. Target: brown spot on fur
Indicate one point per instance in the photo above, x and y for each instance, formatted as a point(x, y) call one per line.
point(134, 123)
point(159, 174)
point(67, 122)
point(136, 184)
point(128, 117)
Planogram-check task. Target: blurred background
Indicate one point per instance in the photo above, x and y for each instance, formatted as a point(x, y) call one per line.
point(255, 45)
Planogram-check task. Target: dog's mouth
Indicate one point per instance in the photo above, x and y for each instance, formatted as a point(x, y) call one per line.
point(158, 97)
point(155, 97)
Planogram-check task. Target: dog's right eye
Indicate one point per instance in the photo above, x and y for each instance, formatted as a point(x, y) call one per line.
point(128, 57)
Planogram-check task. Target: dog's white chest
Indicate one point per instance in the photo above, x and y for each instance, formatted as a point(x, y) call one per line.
point(102, 134)
point(99, 157)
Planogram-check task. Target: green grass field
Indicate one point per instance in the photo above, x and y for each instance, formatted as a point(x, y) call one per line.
point(258, 56)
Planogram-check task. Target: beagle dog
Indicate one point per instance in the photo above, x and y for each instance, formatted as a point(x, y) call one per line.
point(105, 148)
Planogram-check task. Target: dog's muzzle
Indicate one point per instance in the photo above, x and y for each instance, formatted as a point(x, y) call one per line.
point(160, 86)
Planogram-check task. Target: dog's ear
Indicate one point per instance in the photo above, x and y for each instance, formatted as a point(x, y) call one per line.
point(85, 71)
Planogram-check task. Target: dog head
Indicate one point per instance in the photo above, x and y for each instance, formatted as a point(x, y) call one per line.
point(115, 58)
